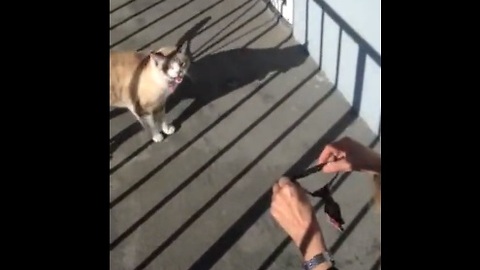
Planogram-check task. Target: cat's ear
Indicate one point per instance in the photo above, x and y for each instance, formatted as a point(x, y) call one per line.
point(182, 48)
point(157, 57)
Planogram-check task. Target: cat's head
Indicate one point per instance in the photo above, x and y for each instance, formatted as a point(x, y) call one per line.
point(173, 62)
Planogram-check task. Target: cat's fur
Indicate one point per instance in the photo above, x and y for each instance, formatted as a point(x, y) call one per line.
point(141, 83)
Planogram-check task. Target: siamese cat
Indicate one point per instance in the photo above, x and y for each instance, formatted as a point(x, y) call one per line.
point(142, 82)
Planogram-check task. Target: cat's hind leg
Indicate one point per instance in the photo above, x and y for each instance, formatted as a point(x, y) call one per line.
point(148, 122)
point(131, 108)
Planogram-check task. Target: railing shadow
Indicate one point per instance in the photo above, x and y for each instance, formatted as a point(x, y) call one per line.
point(117, 112)
point(121, 6)
point(376, 265)
point(125, 134)
point(348, 29)
point(364, 49)
point(156, 20)
point(135, 14)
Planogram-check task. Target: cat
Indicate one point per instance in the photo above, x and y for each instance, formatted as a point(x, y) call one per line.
point(142, 82)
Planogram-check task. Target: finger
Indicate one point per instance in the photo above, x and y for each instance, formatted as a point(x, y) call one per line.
point(284, 181)
point(291, 191)
point(337, 166)
point(275, 188)
point(336, 157)
point(331, 158)
point(328, 152)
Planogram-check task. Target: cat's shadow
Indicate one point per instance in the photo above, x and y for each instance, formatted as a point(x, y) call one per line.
point(218, 74)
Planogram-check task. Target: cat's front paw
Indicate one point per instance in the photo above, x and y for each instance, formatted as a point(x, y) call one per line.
point(157, 138)
point(168, 129)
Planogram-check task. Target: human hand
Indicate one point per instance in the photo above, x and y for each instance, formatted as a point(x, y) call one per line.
point(294, 213)
point(347, 154)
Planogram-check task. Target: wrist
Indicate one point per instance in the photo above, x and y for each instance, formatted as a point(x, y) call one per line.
point(314, 247)
point(323, 266)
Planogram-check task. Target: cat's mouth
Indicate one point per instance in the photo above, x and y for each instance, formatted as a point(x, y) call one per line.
point(178, 79)
point(174, 82)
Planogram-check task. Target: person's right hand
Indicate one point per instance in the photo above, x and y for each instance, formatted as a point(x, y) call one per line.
point(346, 155)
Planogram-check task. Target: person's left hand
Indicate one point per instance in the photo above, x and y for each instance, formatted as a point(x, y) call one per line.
point(292, 211)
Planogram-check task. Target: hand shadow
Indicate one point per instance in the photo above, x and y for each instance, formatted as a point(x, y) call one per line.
point(218, 74)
